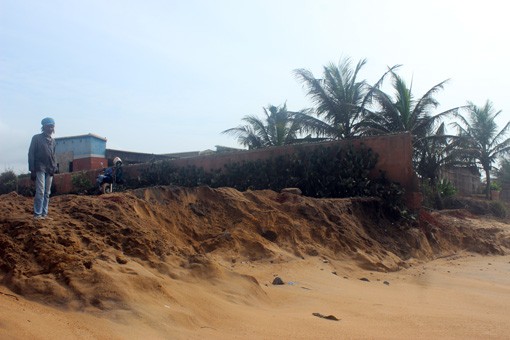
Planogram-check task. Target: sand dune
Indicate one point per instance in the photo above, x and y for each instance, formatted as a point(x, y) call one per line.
point(175, 263)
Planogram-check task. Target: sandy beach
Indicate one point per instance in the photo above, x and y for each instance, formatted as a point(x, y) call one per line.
point(196, 286)
point(459, 297)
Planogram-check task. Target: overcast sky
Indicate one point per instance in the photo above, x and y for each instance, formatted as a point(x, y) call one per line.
point(169, 76)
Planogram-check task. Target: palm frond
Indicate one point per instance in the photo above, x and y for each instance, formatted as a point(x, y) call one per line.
point(337, 97)
point(428, 100)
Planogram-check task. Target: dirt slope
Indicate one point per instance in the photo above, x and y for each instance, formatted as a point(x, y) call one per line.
point(114, 255)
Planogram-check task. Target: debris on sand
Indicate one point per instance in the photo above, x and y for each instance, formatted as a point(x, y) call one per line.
point(329, 317)
point(278, 281)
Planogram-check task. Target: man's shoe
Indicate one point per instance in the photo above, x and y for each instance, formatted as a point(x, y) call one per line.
point(38, 217)
point(46, 217)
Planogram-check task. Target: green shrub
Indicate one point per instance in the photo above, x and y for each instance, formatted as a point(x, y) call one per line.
point(495, 187)
point(446, 188)
point(428, 194)
point(8, 182)
point(454, 202)
point(432, 195)
point(80, 183)
point(498, 209)
point(27, 191)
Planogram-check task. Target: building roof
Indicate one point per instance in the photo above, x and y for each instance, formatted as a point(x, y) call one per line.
point(82, 136)
point(221, 148)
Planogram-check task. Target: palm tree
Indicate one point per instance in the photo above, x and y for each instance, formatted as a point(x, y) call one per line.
point(280, 127)
point(433, 152)
point(338, 99)
point(486, 144)
point(403, 113)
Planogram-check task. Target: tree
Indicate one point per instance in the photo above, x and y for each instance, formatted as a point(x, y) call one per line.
point(402, 113)
point(503, 173)
point(338, 99)
point(486, 144)
point(433, 152)
point(280, 127)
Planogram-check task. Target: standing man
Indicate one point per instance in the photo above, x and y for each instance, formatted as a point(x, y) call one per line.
point(42, 164)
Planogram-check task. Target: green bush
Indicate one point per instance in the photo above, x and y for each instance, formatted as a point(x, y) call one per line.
point(322, 172)
point(495, 187)
point(498, 209)
point(80, 183)
point(28, 191)
point(8, 182)
point(428, 194)
point(446, 188)
point(432, 195)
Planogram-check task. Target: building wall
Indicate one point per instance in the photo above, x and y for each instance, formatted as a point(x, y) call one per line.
point(64, 161)
point(504, 195)
point(98, 147)
point(132, 157)
point(82, 146)
point(90, 163)
point(463, 180)
point(395, 158)
point(78, 153)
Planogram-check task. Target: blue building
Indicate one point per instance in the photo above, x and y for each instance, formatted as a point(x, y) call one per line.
point(76, 153)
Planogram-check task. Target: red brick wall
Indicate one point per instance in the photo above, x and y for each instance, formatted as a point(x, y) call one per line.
point(91, 163)
point(63, 182)
point(395, 158)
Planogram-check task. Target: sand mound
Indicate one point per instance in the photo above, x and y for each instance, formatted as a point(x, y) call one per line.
point(114, 255)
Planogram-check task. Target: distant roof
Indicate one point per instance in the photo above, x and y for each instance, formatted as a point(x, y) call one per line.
point(82, 136)
point(181, 154)
point(220, 148)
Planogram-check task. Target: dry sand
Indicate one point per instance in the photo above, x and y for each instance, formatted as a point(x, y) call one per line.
point(173, 263)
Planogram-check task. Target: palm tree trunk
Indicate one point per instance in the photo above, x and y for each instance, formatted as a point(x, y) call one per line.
point(488, 193)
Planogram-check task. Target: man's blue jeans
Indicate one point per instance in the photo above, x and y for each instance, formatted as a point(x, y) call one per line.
point(42, 193)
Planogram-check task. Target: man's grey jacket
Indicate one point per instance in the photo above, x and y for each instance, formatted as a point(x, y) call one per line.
point(41, 155)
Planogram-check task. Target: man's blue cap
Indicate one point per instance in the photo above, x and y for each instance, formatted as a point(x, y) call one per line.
point(48, 121)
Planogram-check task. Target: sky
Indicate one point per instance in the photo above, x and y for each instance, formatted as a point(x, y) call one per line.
point(165, 76)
